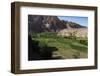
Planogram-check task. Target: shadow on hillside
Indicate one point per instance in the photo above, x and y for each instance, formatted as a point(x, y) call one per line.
point(40, 51)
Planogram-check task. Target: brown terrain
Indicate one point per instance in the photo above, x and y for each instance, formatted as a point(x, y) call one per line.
point(78, 32)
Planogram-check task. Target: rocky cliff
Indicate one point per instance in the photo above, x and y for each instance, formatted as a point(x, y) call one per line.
point(40, 23)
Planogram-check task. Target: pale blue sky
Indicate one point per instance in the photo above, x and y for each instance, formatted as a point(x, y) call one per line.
point(80, 20)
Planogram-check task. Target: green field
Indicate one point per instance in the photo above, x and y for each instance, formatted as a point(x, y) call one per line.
point(62, 47)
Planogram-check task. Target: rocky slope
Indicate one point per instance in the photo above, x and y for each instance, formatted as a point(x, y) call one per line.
point(78, 32)
point(44, 24)
point(38, 23)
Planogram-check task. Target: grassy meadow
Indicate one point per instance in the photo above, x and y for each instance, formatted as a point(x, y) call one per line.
point(63, 47)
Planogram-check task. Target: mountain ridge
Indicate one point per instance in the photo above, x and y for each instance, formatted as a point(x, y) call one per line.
point(40, 23)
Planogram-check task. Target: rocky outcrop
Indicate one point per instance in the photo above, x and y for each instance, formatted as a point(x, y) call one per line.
point(44, 24)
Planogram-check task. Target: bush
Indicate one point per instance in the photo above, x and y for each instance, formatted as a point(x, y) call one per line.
point(44, 35)
point(45, 51)
point(85, 42)
point(48, 34)
point(42, 44)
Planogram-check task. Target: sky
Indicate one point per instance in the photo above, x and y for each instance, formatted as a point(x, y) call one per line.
point(80, 20)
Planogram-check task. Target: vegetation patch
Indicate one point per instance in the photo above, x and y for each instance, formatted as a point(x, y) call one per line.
point(65, 47)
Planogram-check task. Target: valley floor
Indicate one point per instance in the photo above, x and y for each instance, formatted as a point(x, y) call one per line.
point(62, 47)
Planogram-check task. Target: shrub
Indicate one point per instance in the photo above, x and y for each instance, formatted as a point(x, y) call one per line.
point(49, 34)
point(42, 45)
point(45, 51)
point(85, 42)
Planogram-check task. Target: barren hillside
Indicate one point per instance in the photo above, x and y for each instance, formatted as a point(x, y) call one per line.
point(78, 32)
